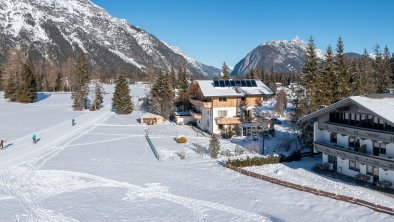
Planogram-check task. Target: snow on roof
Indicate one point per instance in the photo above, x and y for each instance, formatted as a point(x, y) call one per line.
point(208, 89)
point(383, 107)
point(380, 104)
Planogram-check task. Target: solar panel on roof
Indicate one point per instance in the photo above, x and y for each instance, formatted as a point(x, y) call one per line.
point(254, 83)
point(243, 83)
point(221, 83)
point(238, 82)
point(249, 83)
point(232, 83)
point(215, 83)
point(227, 83)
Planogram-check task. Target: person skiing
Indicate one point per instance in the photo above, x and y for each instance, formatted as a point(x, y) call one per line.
point(34, 137)
point(73, 122)
point(2, 143)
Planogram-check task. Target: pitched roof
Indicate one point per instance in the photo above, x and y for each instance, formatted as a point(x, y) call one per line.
point(380, 104)
point(208, 89)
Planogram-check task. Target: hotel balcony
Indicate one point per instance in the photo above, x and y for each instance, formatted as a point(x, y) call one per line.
point(355, 131)
point(363, 158)
point(199, 103)
point(195, 115)
point(228, 120)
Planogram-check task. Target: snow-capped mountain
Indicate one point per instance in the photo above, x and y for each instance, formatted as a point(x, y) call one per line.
point(57, 29)
point(281, 55)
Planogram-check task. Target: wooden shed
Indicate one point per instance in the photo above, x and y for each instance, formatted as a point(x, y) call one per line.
point(152, 119)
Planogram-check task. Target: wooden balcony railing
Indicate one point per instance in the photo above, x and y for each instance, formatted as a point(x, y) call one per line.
point(344, 153)
point(358, 132)
point(199, 103)
point(228, 120)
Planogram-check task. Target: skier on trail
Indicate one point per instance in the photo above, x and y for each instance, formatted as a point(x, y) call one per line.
point(2, 144)
point(34, 137)
point(73, 122)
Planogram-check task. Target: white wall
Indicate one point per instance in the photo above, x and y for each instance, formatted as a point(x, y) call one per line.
point(390, 150)
point(231, 112)
point(387, 175)
point(342, 140)
point(317, 133)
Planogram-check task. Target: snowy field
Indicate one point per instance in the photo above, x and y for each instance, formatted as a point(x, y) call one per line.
point(301, 173)
point(104, 170)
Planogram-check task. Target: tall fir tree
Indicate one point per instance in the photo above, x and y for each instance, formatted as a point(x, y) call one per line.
point(28, 86)
point(182, 102)
point(121, 100)
point(312, 78)
point(381, 70)
point(364, 83)
point(387, 71)
point(80, 82)
point(173, 79)
point(98, 95)
point(392, 67)
point(225, 71)
point(330, 86)
point(342, 71)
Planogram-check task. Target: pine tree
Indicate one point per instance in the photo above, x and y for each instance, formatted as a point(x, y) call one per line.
point(392, 67)
point(364, 82)
point(12, 74)
point(98, 98)
point(156, 94)
point(342, 71)
point(381, 74)
point(28, 86)
point(182, 103)
point(387, 71)
point(183, 83)
point(330, 89)
point(121, 100)
point(173, 79)
point(311, 79)
point(225, 71)
point(10, 90)
point(80, 80)
point(214, 146)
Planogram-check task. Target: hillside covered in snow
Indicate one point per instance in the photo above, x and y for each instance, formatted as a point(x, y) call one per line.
point(58, 29)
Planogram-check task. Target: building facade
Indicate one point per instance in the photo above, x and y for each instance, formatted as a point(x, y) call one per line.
point(356, 137)
point(219, 104)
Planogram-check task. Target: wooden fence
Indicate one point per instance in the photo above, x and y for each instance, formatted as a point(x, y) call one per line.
point(375, 207)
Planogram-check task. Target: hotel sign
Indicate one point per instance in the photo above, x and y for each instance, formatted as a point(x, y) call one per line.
point(355, 156)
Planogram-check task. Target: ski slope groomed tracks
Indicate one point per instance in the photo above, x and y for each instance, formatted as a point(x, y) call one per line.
point(53, 138)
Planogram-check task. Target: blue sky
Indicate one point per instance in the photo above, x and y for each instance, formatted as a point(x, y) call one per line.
point(214, 31)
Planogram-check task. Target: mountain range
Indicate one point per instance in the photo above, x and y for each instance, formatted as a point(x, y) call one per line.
point(59, 29)
point(280, 56)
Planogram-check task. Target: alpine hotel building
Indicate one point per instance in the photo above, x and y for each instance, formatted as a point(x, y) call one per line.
point(356, 137)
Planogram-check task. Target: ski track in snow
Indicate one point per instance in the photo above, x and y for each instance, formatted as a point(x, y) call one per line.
point(30, 185)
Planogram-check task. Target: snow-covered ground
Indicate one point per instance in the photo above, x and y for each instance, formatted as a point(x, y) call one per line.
point(104, 170)
point(301, 173)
